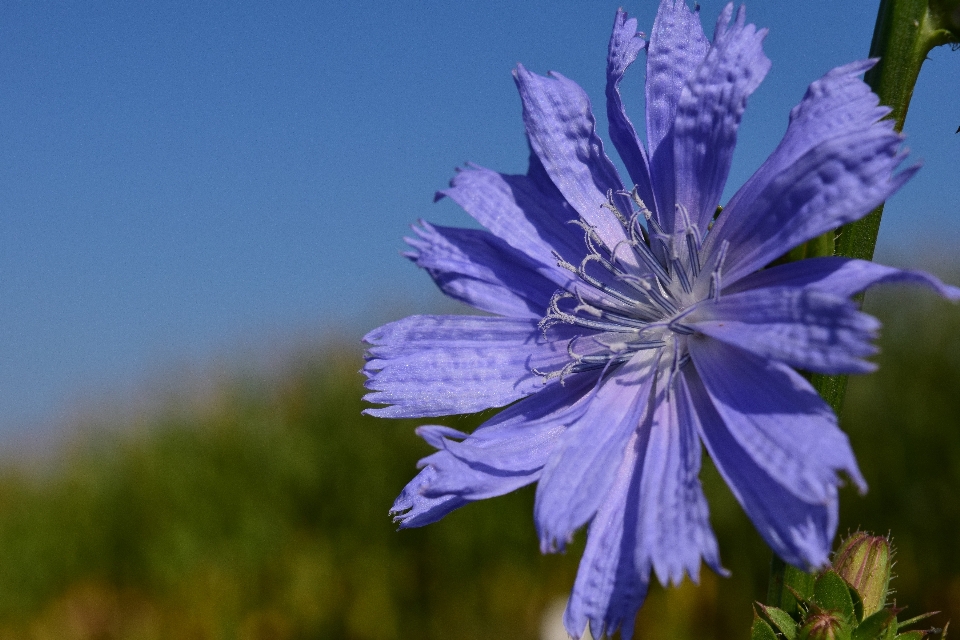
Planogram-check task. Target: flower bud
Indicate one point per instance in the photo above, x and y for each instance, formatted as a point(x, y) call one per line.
point(824, 625)
point(865, 561)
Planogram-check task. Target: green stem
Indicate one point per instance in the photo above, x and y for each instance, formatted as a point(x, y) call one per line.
point(785, 581)
point(905, 32)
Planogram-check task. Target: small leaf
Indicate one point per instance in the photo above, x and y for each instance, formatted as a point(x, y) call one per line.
point(781, 621)
point(831, 592)
point(761, 630)
point(875, 626)
point(857, 605)
point(914, 620)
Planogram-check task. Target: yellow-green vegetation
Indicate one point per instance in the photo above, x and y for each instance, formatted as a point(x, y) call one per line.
point(263, 514)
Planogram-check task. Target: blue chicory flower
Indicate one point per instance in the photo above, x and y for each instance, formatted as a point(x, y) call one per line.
point(630, 326)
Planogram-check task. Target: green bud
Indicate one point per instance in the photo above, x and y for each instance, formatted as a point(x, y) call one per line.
point(824, 625)
point(865, 562)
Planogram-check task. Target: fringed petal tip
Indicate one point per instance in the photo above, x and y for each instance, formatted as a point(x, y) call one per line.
point(412, 509)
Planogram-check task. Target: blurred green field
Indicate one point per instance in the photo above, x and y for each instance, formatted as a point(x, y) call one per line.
point(263, 514)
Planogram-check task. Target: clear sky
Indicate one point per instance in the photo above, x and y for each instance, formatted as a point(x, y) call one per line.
point(180, 181)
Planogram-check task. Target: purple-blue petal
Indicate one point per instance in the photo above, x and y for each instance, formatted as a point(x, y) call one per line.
point(840, 276)
point(446, 483)
point(677, 46)
point(582, 467)
point(799, 531)
point(805, 328)
point(471, 482)
point(562, 132)
point(441, 365)
point(525, 211)
point(778, 418)
point(837, 182)
point(480, 269)
point(708, 115)
point(837, 103)
point(521, 437)
point(817, 180)
point(625, 46)
point(413, 509)
point(674, 521)
point(610, 586)
point(504, 453)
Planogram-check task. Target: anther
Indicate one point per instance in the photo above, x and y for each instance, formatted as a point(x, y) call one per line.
point(609, 204)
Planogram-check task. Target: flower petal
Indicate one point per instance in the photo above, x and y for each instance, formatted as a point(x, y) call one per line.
point(805, 328)
point(778, 418)
point(504, 453)
point(440, 365)
point(521, 437)
point(412, 509)
point(674, 520)
point(582, 467)
point(525, 211)
point(840, 276)
point(610, 586)
point(709, 112)
point(817, 180)
point(677, 46)
point(837, 103)
point(799, 531)
point(477, 268)
point(562, 132)
point(625, 45)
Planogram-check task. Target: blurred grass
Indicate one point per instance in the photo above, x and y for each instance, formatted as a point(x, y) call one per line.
point(262, 514)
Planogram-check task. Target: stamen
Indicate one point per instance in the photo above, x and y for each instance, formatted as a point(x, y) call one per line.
point(677, 327)
point(635, 196)
point(556, 315)
point(591, 239)
point(657, 297)
point(693, 250)
point(609, 204)
point(715, 281)
point(678, 269)
point(637, 230)
point(582, 272)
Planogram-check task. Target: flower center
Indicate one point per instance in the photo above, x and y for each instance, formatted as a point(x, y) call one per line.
point(632, 297)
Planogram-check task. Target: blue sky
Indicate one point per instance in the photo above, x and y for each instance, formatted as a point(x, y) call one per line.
point(180, 182)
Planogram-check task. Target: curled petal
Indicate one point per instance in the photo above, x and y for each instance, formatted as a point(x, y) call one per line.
point(521, 437)
point(504, 453)
point(412, 509)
